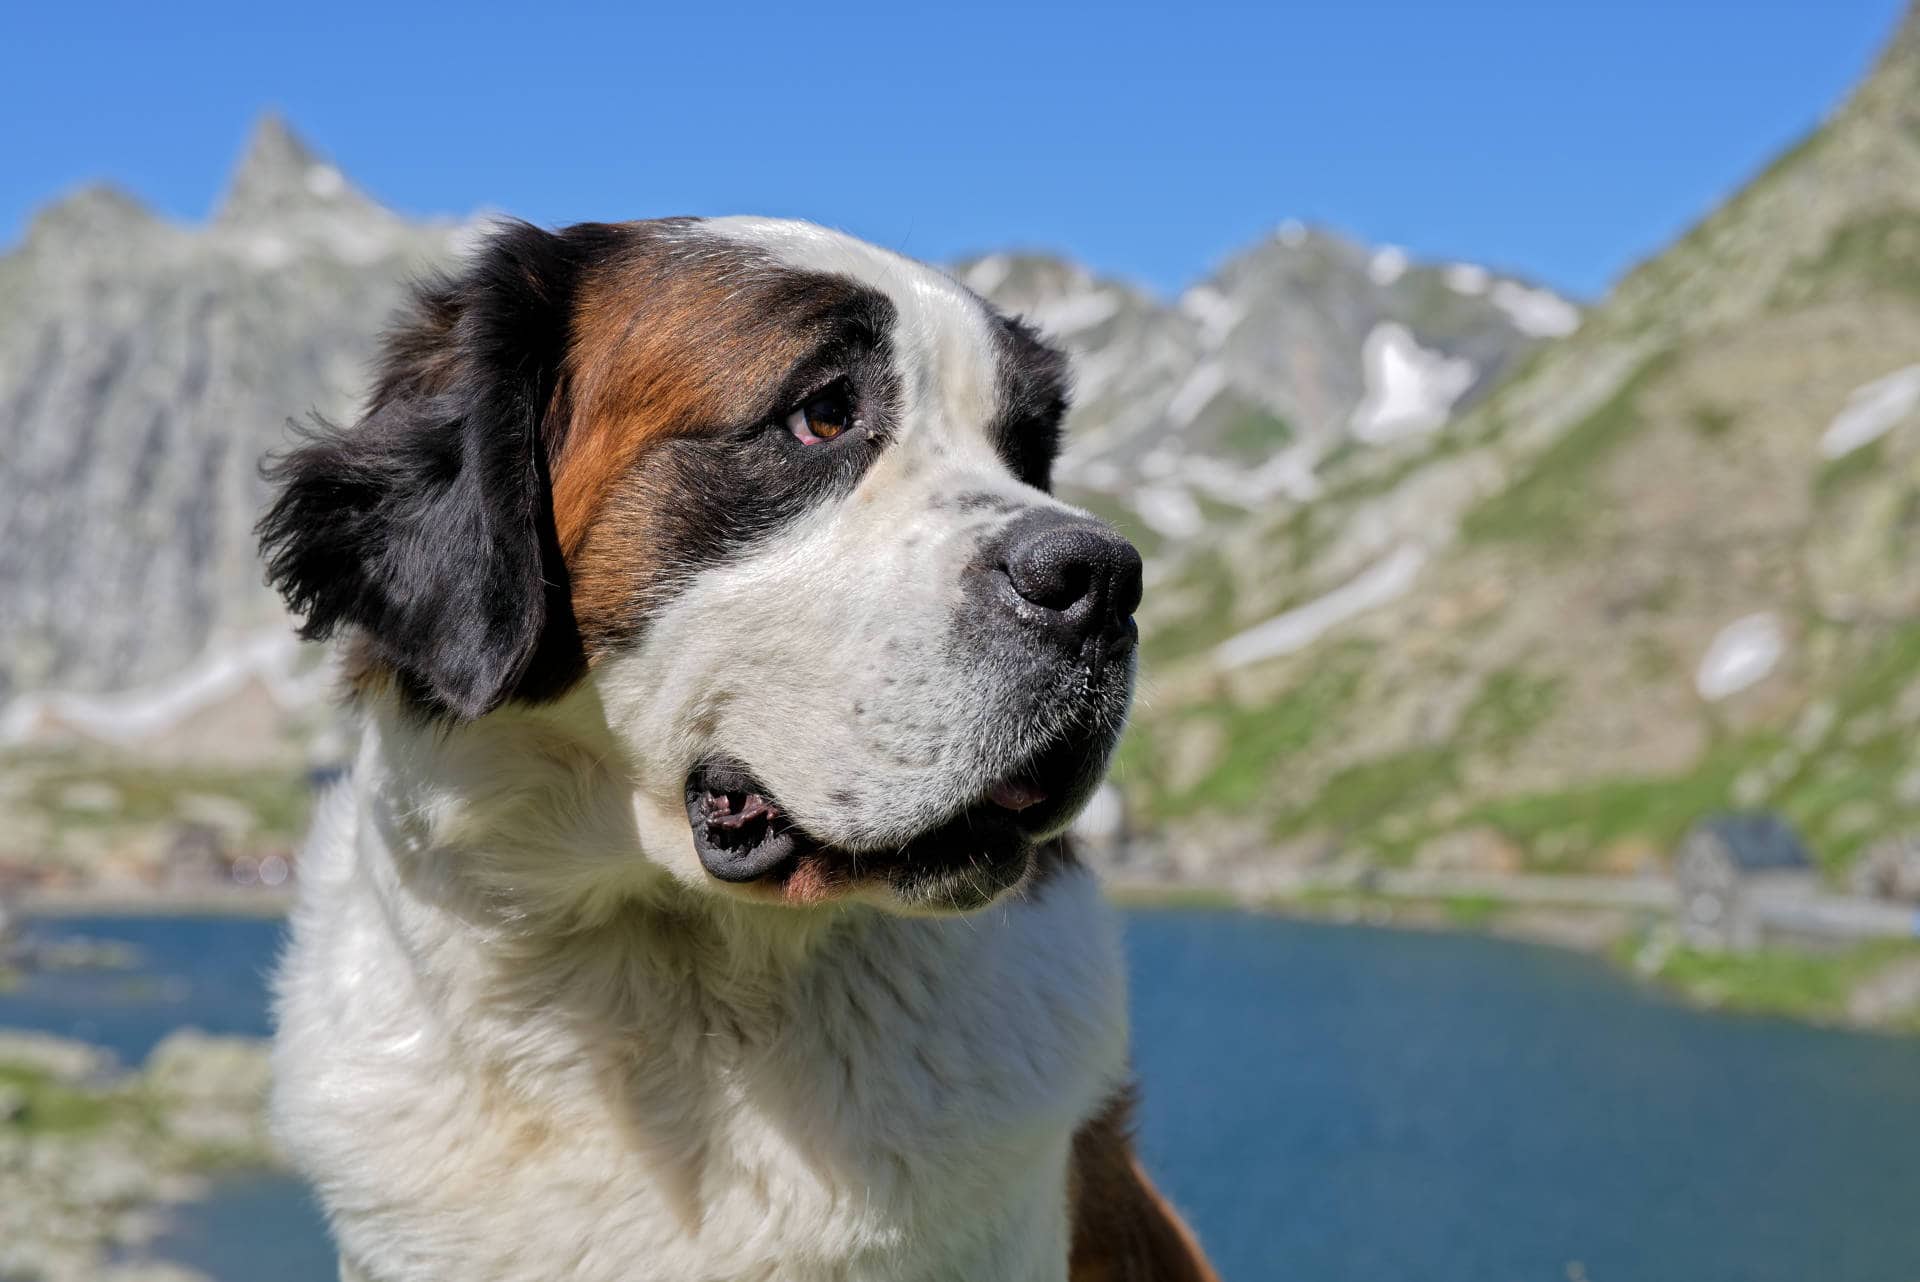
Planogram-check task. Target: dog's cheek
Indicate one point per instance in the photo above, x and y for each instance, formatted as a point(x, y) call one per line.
point(820, 659)
point(894, 724)
point(850, 710)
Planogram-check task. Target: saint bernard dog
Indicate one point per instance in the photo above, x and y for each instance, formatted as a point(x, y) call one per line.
point(696, 908)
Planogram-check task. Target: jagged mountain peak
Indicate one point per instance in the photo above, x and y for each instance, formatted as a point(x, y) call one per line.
point(280, 176)
point(1298, 235)
point(1223, 400)
point(1305, 257)
point(145, 366)
point(94, 215)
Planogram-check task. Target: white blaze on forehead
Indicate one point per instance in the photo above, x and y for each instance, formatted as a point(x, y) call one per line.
point(945, 348)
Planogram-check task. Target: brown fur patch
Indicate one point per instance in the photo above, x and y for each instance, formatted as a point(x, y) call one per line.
point(674, 335)
point(679, 338)
point(1123, 1229)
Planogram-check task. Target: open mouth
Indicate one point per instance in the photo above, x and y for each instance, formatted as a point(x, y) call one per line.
point(743, 834)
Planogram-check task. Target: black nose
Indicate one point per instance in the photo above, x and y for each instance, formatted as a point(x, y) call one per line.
point(1081, 580)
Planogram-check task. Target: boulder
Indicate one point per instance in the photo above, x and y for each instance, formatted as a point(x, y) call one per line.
point(1890, 869)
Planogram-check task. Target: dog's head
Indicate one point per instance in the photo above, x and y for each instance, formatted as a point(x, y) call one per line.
point(777, 501)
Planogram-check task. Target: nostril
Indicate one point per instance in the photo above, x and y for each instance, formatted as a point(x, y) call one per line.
point(1049, 571)
point(1083, 574)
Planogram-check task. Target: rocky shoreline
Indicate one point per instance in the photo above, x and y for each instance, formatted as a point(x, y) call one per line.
point(91, 1154)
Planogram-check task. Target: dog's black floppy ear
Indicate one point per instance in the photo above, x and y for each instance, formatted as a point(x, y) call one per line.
point(428, 526)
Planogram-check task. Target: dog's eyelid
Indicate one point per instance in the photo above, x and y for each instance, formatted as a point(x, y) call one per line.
point(799, 418)
point(836, 380)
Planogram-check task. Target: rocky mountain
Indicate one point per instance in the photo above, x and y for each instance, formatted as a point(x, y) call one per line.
point(1667, 566)
point(145, 367)
point(1192, 414)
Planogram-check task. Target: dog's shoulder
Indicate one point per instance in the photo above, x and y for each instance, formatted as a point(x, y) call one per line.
point(1124, 1230)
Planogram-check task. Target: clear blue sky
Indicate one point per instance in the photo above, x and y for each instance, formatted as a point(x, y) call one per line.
point(1560, 138)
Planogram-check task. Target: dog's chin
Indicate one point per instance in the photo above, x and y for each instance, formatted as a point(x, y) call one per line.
point(747, 841)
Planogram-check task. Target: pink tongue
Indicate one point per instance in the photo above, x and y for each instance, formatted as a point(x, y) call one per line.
point(1013, 795)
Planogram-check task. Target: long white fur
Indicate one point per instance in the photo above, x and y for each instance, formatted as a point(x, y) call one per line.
point(523, 1037)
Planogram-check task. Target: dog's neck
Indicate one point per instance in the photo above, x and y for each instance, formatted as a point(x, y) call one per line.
point(484, 978)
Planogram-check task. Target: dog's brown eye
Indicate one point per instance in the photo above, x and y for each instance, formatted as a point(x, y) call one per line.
point(822, 417)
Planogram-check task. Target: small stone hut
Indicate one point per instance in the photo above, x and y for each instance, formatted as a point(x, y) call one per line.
point(1730, 868)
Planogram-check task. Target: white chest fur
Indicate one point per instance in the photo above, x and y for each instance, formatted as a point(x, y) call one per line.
point(666, 1095)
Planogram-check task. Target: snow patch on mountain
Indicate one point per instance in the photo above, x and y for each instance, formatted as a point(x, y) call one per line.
point(988, 274)
point(1216, 313)
point(1410, 390)
point(1288, 474)
point(326, 182)
point(1388, 264)
point(1741, 655)
point(1380, 583)
point(1871, 411)
point(266, 250)
point(1197, 392)
point(1467, 278)
point(1074, 312)
point(1169, 510)
point(1100, 474)
point(1539, 312)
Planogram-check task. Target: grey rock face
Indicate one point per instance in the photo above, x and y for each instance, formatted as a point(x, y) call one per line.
point(145, 368)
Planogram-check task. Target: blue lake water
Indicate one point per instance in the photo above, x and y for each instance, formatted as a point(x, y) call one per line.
point(1327, 1103)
